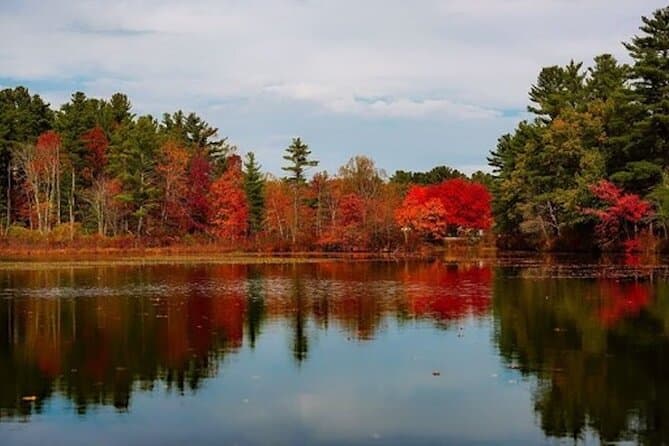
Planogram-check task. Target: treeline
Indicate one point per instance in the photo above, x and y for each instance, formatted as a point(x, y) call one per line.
point(94, 172)
point(591, 167)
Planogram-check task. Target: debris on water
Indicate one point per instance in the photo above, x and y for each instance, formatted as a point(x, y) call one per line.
point(436, 373)
point(376, 436)
point(514, 365)
point(245, 401)
point(494, 375)
point(512, 381)
point(29, 398)
point(558, 329)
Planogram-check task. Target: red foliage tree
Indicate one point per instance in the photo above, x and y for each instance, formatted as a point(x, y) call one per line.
point(199, 178)
point(454, 205)
point(347, 230)
point(620, 216)
point(96, 143)
point(229, 210)
point(41, 168)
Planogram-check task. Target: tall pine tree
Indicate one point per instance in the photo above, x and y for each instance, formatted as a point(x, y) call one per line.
point(254, 186)
point(298, 155)
point(650, 79)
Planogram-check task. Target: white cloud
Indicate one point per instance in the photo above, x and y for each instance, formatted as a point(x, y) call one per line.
point(437, 60)
point(482, 53)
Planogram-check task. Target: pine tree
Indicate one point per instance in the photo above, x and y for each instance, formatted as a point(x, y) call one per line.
point(196, 134)
point(298, 155)
point(254, 186)
point(650, 79)
point(557, 89)
point(133, 157)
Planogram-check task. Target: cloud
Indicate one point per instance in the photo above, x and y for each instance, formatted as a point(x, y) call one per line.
point(436, 61)
point(382, 106)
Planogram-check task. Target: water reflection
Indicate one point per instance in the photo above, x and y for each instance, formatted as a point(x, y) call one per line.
point(96, 335)
point(599, 350)
point(570, 356)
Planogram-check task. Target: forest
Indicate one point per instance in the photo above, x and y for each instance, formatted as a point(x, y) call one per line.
point(92, 173)
point(587, 170)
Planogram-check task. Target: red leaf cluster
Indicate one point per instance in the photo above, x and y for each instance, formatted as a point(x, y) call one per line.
point(453, 205)
point(620, 210)
point(96, 143)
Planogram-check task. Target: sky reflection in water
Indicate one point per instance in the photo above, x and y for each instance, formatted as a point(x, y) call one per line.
point(330, 353)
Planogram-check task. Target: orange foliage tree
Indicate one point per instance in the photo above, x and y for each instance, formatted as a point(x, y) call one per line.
point(172, 171)
point(346, 228)
point(278, 213)
point(229, 210)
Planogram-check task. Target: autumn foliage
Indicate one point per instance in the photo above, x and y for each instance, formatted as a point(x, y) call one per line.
point(229, 210)
point(146, 185)
point(452, 207)
point(619, 216)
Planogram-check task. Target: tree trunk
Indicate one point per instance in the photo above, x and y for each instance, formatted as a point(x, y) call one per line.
point(72, 207)
point(9, 197)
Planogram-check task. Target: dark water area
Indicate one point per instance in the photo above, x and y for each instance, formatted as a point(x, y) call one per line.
point(334, 353)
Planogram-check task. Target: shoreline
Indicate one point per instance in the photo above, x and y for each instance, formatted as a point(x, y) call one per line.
point(11, 258)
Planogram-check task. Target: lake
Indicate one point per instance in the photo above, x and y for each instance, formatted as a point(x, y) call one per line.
point(484, 352)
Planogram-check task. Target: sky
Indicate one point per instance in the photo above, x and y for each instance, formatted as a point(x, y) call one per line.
point(410, 84)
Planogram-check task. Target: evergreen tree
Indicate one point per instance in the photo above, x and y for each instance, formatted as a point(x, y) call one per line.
point(650, 79)
point(607, 85)
point(254, 186)
point(298, 156)
point(133, 160)
point(118, 112)
point(557, 89)
point(436, 175)
point(196, 134)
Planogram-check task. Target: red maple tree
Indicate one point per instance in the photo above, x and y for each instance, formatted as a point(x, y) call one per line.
point(453, 206)
point(96, 143)
point(229, 210)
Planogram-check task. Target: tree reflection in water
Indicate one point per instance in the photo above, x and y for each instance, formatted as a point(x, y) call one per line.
point(599, 349)
point(595, 351)
point(97, 335)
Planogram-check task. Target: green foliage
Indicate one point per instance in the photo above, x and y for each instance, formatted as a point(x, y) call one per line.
point(195, 133)
point(557, 89)
point(436, 175)
point(133, 157)
point(610, 121)
point(650, 79)
point(298, 156)
point(254, 187)
point(639, 177)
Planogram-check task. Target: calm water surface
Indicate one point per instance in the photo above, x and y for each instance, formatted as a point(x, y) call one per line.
point(333, 353)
